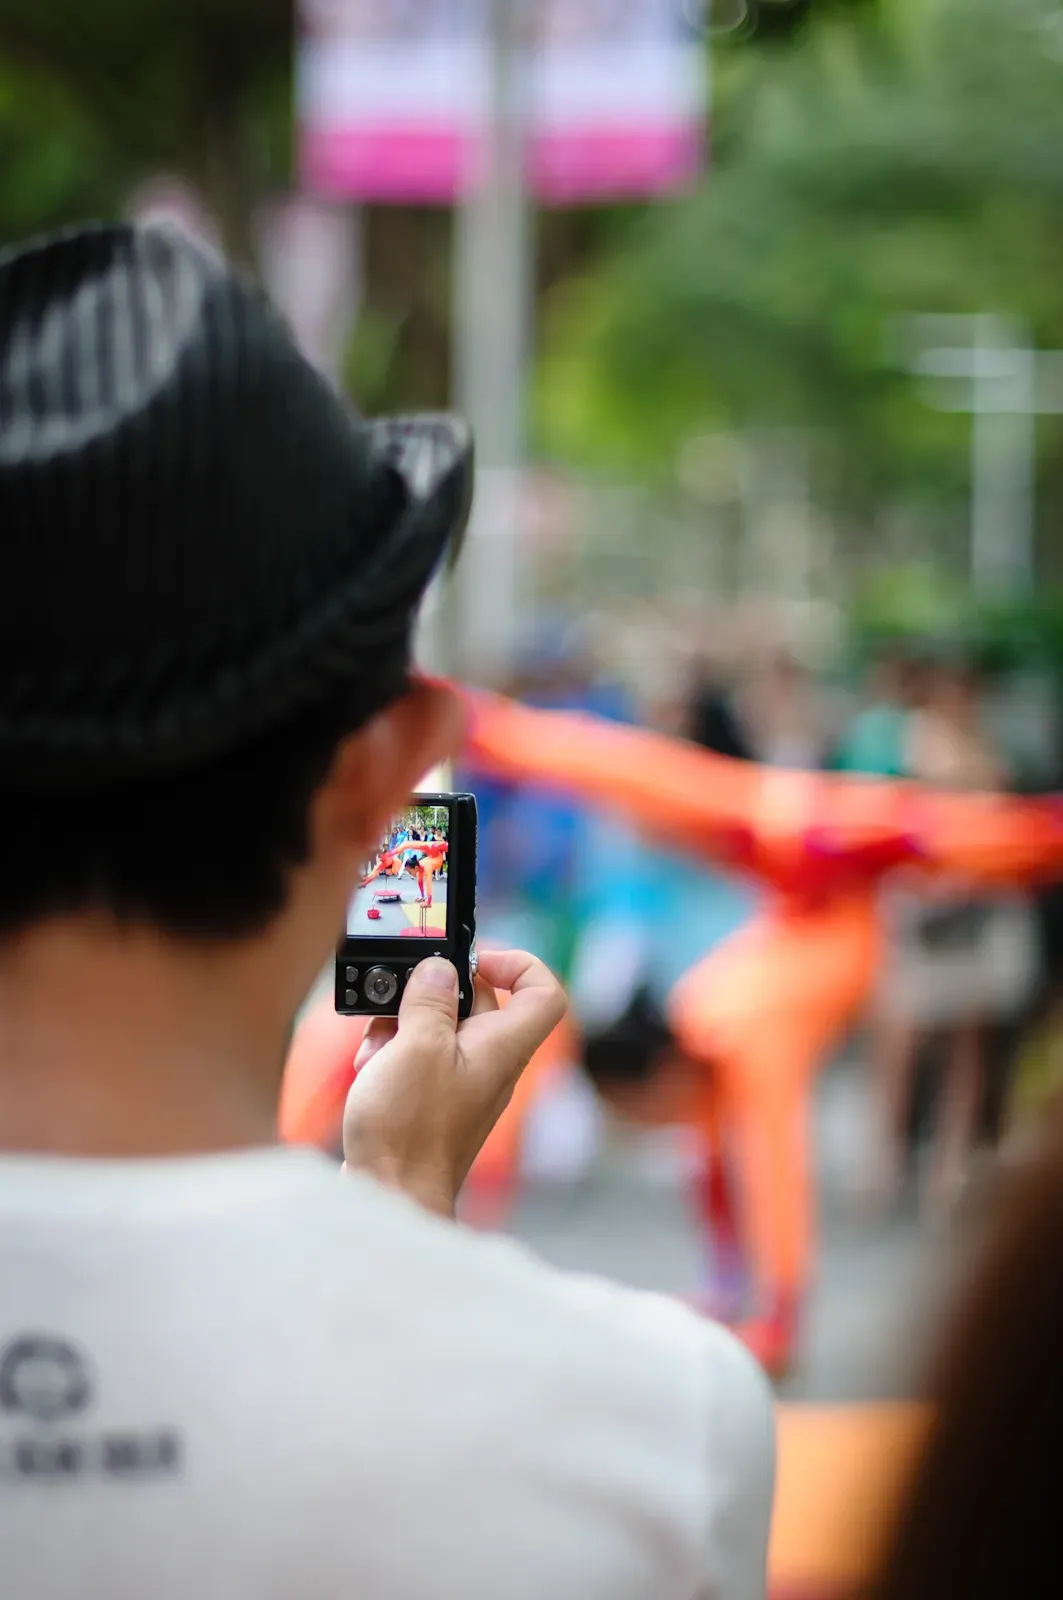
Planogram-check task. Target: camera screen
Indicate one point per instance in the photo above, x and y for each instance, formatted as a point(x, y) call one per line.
point(403, 894)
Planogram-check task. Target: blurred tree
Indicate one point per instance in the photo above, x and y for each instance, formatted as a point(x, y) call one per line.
point(902, 160)
point(53, 161)
point(771, 21)
point(196, 87)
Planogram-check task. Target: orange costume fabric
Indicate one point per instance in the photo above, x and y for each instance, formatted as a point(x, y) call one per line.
point(810, 835)
point(763, 1011)
point(389, 864)
point(318, 1075)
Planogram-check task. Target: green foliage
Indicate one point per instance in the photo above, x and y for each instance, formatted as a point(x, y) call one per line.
point(899, 160)
point(774, 22)
point(54, 163)
point(371, 358)
point(96, 96)
point(426, 818)
point(916, 605)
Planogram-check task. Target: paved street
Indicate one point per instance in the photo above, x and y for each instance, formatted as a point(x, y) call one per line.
point(397, 901)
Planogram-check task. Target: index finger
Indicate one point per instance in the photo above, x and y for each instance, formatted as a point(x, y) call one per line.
point(513, 970)
point(485, 997)
point(537, 1000)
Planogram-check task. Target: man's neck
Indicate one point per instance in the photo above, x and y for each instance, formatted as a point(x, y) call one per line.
point(121, 1043)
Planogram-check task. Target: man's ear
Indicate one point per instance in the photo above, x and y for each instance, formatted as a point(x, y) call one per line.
point(377, 768)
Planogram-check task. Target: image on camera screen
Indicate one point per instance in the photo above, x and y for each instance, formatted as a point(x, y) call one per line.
point(403, 894)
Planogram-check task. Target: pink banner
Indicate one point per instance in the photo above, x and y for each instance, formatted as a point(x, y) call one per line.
point(387, 98)
point(394, 97)
point(423, 166)
point(572, 168)
point(618, 99)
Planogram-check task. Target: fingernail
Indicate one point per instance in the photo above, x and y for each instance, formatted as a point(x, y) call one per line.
point(435, 974)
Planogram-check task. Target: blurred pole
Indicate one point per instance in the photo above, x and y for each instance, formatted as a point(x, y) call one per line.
point(494, 290)
point(1003, 450)
point(755, 501)
point(1001, 379)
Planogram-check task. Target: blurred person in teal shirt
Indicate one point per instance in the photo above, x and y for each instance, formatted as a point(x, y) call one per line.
point(875, 741)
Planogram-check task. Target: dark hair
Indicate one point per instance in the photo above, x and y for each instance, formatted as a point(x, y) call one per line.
point(981, 1518)
point(204, 853)
point(913, 673)
point(711, 720)
point(629, 1050)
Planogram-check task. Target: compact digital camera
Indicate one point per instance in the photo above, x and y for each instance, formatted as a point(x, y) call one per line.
point(417, 898)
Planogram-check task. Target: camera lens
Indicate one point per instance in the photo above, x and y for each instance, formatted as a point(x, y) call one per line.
point(381, 986)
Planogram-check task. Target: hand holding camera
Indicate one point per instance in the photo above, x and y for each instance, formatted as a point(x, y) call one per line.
point(428, 1089)
point(441, 1056)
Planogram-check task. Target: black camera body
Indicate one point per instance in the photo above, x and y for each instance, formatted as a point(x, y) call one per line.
point(417, 899)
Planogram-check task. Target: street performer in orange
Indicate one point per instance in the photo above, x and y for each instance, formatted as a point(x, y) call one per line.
point(389, 865)
point(431, 859)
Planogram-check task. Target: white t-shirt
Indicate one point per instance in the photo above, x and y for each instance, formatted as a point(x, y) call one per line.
point(249, 1377)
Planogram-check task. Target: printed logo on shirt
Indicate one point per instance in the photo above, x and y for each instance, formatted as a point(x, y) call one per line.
point(47, 1385)
point(44, 1378)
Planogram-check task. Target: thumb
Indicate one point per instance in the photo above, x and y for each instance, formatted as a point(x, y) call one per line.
point(430, 1003)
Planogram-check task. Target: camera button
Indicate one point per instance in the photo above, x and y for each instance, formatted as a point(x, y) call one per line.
point(381, 986)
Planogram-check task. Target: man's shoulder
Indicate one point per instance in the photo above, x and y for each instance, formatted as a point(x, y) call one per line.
point(607, 1430)
point(563, 1367)
point(546, 1319)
